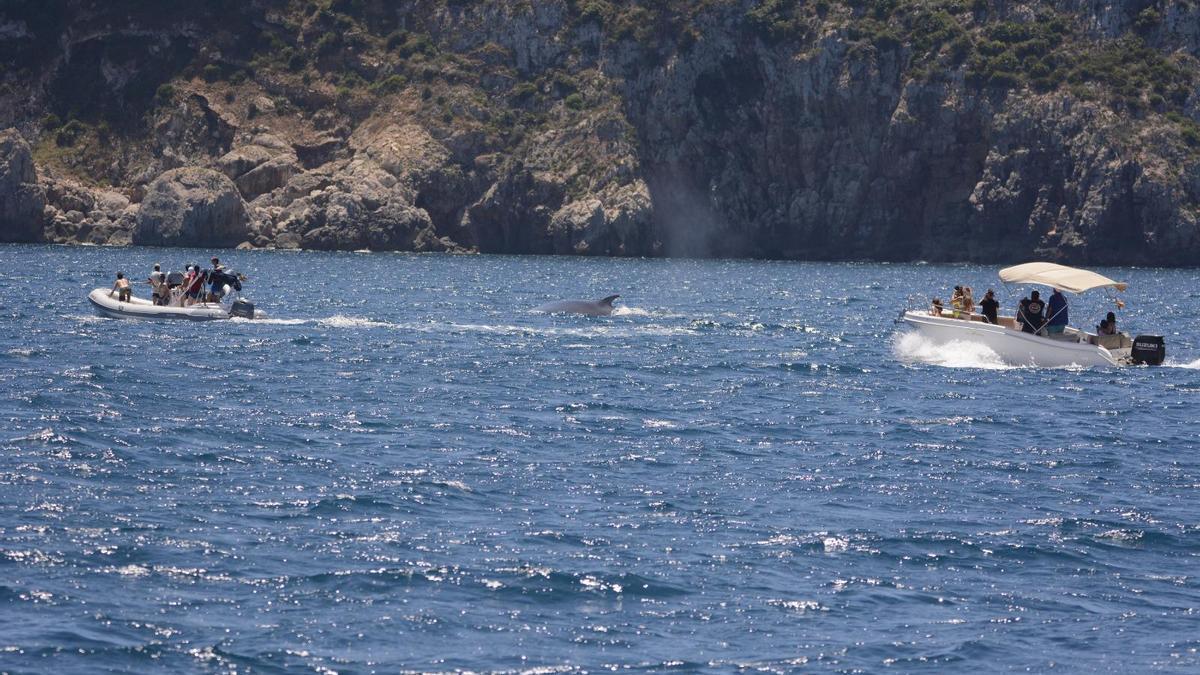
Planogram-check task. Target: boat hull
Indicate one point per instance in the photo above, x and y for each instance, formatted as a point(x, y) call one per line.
point(1013, 347)
point(106, 304)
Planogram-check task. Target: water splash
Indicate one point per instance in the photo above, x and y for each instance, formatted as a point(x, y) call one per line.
point(916, 348)
point(1190, 365)
point(341, 321)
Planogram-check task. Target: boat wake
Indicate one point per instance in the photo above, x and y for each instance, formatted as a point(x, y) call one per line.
point(916, 348)
point(1191, 365)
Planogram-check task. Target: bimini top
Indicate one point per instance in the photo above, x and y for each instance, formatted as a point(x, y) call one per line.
point(1057, 276)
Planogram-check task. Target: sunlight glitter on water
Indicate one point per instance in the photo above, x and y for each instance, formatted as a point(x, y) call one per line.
point(746, 468)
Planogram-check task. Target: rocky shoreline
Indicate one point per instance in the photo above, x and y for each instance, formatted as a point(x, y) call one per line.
point(540, 129)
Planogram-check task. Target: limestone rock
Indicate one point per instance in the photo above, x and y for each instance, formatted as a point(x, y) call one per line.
point(513, 216)
point(268, 176)
point(192, 207)
point(243, 159)
point(22, 200)
point(69, 196)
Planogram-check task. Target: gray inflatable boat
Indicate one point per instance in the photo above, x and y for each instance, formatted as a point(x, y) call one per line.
point(106, 304)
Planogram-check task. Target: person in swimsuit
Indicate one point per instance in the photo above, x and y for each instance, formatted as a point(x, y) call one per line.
point(122, 288)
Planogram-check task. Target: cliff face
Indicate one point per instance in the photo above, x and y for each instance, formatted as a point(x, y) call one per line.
point(891, 129)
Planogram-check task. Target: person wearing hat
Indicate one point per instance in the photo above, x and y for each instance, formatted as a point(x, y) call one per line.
point(956, 302)
point(212, 294)
point(989, 306)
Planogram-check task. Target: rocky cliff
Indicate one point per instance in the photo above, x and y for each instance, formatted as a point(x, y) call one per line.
point(887, 129)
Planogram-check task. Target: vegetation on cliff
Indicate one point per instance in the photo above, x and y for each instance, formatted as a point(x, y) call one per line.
point(895, 129)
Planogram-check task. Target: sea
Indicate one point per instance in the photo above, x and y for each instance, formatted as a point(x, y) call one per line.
point(748, 467)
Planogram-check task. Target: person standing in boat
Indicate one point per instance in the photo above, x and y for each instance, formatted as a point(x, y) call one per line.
point(122, 288)
point(1033, 314)
point(1056, 315)
point(158, 286)
point(956, 302)
point(212, 278)
point(194, 283)
point(989, 306)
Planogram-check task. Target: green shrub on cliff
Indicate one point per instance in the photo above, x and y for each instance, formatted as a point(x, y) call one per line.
point(1189, 130)
point(70, 132)
point(389, 85)
point(164, 93)
point(1130, 69)
point(777, 20)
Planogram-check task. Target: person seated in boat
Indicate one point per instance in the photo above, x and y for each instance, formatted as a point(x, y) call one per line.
point(122, 288)
point(968, 302)
point(1034, 314)
point(158, 286)
point(990, 307)
point(1108, 325)
point(1056, 314)
point(935, 307)
point(216, 264)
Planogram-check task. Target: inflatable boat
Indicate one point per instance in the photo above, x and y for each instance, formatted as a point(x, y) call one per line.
point(106, 304)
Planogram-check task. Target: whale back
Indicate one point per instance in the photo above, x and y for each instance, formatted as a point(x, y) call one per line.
point(586, 307)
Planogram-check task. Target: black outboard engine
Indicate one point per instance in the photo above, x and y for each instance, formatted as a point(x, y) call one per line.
point(1149, 350)
point(242, 308)
point(174, 279)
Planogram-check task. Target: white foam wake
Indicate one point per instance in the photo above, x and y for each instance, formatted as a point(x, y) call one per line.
point(1190, 365)
point(625, 310)
point(340, 321)
point(270, 322)
point(916, 348)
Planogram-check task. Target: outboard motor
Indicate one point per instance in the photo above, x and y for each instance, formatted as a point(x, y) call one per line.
point(242, 308)
point(174, 279)
point(1149, 350)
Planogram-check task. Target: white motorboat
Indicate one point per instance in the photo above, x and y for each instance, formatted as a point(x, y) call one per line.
point(106, 304)
point(1072, 347)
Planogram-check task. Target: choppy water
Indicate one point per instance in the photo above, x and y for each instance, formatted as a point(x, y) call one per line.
point(406, 469)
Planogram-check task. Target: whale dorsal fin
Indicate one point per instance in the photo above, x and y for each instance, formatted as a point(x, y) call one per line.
point(609, 300)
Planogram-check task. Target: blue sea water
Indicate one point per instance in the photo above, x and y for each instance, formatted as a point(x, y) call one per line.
point(748, 467)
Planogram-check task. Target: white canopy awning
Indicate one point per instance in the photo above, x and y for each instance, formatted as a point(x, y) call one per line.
point(1057, 276)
